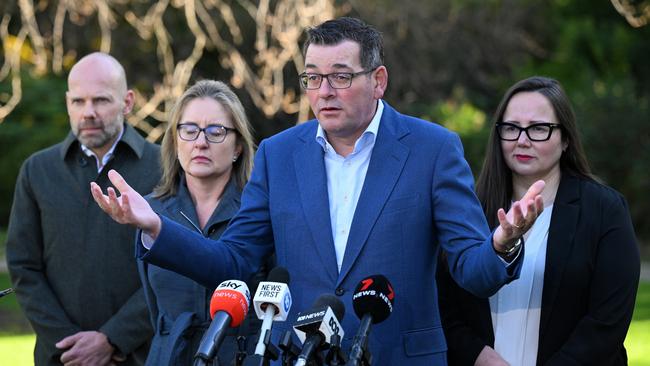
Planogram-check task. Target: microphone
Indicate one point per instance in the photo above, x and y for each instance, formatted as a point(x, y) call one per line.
point(6, 292)
point(228, 308)
point(318, 325)
point(372, 302)
point(272, 302)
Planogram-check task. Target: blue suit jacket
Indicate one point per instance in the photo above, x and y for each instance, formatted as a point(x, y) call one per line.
point(417, 198)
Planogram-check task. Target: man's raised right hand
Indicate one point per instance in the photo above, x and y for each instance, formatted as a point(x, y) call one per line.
point(129, 208)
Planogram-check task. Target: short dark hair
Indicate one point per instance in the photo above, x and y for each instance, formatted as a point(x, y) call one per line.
point(335, 31)
point(494, 184)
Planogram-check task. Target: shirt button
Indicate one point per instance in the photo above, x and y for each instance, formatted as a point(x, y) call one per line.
point(339, 291)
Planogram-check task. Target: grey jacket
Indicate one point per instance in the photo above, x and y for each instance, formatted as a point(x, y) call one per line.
point(71, 265)
point(178, 306)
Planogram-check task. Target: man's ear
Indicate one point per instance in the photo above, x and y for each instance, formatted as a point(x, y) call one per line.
point(380, 80)
point(129, 102)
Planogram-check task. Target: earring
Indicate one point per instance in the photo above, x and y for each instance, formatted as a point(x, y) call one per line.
point(234, 158)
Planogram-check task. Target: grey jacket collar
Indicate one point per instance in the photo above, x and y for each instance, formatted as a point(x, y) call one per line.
point(181, 207)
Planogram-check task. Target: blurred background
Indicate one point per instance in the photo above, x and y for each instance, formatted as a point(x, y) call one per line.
point(449, 61)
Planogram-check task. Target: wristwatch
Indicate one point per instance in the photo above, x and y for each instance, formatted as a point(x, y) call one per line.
point(513, 249)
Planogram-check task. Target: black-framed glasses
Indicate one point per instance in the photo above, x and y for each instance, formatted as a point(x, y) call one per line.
point(535, 132)
point(337, 80)
point(213, 133)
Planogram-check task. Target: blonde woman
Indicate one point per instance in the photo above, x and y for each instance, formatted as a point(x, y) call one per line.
point(207, 154)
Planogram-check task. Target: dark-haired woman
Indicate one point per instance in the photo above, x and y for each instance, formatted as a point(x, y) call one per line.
point(573, 301)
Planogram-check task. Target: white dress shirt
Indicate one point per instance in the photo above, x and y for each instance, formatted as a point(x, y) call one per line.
point(516, 307)
point(345, 178)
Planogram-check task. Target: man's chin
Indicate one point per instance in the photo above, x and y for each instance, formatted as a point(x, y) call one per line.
point(93, 142)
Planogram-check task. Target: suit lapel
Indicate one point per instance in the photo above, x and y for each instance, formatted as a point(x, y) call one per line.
point(385, 167)
point(560, 242)
point(312, 186)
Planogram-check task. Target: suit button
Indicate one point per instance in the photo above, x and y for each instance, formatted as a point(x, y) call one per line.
point(339, 291)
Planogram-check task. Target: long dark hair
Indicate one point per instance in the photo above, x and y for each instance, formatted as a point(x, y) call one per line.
point(494, 184)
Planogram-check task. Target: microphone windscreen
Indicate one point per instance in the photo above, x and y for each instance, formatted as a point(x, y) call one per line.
point(278, 274)
point(274, 291)
point(333, 302)
point(323, 318)
point(232, 297)
point(374, 295)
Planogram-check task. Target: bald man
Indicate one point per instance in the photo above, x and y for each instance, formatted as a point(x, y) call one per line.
point(72, 267)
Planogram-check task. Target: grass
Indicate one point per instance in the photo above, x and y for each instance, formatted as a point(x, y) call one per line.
point(17, 350)
point(638, 337)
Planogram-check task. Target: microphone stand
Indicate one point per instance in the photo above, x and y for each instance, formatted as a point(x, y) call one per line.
point(335, 355)
point(200, 362)
point(271, 353)
point(290, 351)
point(241, 355)
point(360, 354)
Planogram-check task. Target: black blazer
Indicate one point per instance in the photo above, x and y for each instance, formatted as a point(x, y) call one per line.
point(590, 284)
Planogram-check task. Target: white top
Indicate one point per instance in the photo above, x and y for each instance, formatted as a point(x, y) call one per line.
point(516, 307)
point(345, 178)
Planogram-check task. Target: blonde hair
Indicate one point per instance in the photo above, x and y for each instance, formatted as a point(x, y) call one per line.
point(221, 93)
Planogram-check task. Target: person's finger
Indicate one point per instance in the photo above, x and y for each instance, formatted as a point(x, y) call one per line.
point(118, 181)
point(126, 206)
point(534, 209)
point(504, 223)
point(98, 195)
point(68, 357)
point(534, 190)
point(539, 205)
point(517, 216)
point(114, 202)
point(67, 341)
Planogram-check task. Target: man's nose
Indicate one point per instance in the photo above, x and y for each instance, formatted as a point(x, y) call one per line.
point(89, 110)
point(325, 89)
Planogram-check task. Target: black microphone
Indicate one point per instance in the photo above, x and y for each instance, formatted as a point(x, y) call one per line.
point(316, 326)
point(228, 308)
point(372, 302)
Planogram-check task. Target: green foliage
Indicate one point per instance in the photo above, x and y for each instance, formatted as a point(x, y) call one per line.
point(602, 63)
point(614, 123)
point(40, 120)
point(458, 114)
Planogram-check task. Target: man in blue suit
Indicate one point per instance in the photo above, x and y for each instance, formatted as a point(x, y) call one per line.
point(360, 190)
